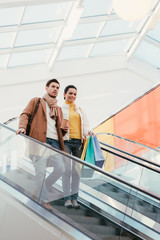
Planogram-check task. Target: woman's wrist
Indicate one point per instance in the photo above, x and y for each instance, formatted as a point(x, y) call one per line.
point(90, 133)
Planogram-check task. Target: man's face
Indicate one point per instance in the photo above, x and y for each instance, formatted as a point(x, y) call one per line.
point(53, 89)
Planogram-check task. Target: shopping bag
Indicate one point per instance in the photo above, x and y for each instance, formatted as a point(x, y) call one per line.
point(78, 166)
point(87, 172)
point(99, 158)
point(84, 148)
point(90, 158)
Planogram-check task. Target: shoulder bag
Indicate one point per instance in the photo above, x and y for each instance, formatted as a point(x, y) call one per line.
point(31, 118)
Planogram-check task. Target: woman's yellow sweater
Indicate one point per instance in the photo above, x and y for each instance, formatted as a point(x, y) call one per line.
point(74, 122)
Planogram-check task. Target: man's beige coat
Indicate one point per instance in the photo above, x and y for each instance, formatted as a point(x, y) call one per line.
point(39, 125)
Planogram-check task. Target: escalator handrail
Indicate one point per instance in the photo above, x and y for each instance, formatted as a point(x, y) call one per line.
point(10, 120)
point(127, 153)
point(130, 154)
point(138, 163)
point(86, 164)
point(114, 135)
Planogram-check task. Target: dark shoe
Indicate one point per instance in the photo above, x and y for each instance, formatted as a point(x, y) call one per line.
point(75, 204)
point(68, 204)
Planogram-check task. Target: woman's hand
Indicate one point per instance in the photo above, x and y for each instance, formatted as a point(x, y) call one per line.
point(90, 133)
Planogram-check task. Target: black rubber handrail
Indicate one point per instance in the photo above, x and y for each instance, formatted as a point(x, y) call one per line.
point(10, 120)
point(127, 153)
point(101, 133)
point(126, 139)
point(130, 154)
point(131, 160)
point(87, 164)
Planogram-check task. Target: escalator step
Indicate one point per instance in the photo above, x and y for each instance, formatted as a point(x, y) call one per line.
point(104, 237)
point(71, 211)
point(85, 219)
point(98, 229)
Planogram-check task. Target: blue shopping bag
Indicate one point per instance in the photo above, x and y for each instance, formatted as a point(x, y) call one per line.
point(98, 155)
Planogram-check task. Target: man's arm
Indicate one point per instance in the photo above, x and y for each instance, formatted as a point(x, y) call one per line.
point(24, 117)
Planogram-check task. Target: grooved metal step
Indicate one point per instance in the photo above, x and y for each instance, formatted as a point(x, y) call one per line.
point(96, 224)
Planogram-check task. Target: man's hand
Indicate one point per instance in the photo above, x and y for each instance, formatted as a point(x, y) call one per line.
point(21, 130)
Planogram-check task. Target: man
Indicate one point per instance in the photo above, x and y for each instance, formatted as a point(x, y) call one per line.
point(45, 127)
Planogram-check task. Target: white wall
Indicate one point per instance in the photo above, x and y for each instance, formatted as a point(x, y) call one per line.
point(103, 94)
point(105, 85)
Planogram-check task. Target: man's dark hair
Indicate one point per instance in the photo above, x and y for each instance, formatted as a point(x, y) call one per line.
point(52, 80)
point(67, 88)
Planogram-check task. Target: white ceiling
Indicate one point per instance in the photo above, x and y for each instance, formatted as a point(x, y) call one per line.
point(76, 41)
point(49, 31)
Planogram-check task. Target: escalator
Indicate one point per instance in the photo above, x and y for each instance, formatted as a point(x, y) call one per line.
point(131, 147)
point(132, 170)
point(113, 206)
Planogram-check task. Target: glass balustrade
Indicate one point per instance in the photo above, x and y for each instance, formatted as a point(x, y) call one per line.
point(107, 202)
point(140, 173)
point(129, 146)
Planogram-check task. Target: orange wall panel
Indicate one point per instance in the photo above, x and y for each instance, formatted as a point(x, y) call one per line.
point(140, 121)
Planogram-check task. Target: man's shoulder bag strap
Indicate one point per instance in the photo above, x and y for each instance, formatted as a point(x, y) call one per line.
point(30, 120)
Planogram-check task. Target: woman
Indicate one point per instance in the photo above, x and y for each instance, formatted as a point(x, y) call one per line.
point(78, 130)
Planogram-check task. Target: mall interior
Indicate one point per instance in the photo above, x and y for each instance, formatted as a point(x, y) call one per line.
point(109, 50)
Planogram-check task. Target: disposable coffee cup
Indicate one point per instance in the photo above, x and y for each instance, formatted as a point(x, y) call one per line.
point(65, 123)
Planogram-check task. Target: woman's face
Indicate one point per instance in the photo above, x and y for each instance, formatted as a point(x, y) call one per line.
point(71, 95)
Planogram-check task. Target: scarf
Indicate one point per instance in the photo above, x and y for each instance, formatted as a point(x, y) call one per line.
point(52, 103)
point(54, 114)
